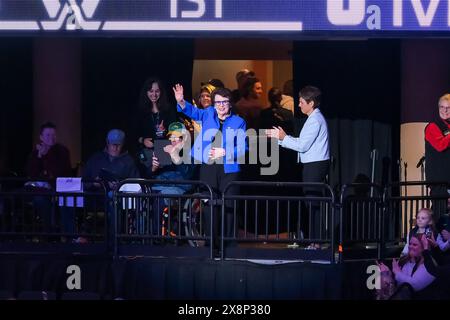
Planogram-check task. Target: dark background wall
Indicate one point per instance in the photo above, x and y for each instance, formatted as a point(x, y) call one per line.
point(425, 78)
point(113, 73)
point(360, 81)
point(16, 106)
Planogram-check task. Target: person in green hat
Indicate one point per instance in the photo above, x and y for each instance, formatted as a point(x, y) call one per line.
point(178, 170)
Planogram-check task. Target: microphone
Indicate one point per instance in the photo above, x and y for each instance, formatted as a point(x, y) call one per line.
point(420, 163)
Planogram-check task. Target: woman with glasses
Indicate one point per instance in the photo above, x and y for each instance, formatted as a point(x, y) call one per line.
point(220, 147)
point(437, 153)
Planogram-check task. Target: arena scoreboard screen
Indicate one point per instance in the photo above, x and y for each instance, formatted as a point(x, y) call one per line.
point(212, 17)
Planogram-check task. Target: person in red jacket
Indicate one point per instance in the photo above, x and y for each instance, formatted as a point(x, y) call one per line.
point(437, 153)
point(48, 161)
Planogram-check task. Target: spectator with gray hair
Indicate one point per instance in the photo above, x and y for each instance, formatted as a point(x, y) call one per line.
point(119, 164)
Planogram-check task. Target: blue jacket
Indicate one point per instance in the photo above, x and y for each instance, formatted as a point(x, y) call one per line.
point(234, 137)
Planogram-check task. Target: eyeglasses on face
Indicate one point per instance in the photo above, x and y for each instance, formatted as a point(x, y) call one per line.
point(444, 108)
point(222, 103)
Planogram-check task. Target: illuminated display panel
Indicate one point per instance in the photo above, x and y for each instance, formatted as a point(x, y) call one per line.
point(208, 16)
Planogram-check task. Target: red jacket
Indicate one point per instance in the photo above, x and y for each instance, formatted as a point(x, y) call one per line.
point(56, 163)
point(434, 135)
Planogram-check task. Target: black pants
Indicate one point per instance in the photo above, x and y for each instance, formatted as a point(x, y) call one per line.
point(315, 172)
point(217, 179)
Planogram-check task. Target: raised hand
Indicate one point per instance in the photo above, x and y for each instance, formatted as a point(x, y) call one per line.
point(382, 266)
point(42, 149)
point(178, 91)
point(425, 243)
point(432, 241)
point(395, 267)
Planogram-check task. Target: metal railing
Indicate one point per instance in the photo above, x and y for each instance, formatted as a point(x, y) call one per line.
point(33, 213)
point(290, 214)
point(361, 217)
point(152, 214)
point(402, 206)
point(267, 220)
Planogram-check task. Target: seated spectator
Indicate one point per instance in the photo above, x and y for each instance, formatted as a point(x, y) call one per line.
point(411, 269)
point(424, 225)
point(176, 171)
point(49, 160)
point(441, 273)
point(443, 239)
point(111, 159)
point(118, 165)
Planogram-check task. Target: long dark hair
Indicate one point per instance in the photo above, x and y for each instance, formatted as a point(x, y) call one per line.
point(247, 87)
point(275, 97)
point(145, 105)
point(405, 259)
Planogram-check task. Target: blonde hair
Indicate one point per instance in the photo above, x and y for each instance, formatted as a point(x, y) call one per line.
point(429, 212)
point(445, 97)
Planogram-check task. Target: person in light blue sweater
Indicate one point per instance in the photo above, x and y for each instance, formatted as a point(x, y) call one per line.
point(312, 146)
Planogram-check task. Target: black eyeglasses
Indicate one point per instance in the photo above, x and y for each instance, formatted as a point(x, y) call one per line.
point(444, 108)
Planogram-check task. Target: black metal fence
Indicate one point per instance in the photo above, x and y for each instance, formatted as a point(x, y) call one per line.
point(375, 221)
point(163, 218)
point(35, 217)
point(278, 216)
point(257, 220)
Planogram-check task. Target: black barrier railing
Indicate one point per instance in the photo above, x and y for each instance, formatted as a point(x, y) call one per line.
point(261, 215)
point(387, 214)
point(156, 215)
point(33, 215)
point(282, 216)
point(402, 202)
point(360, 220)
